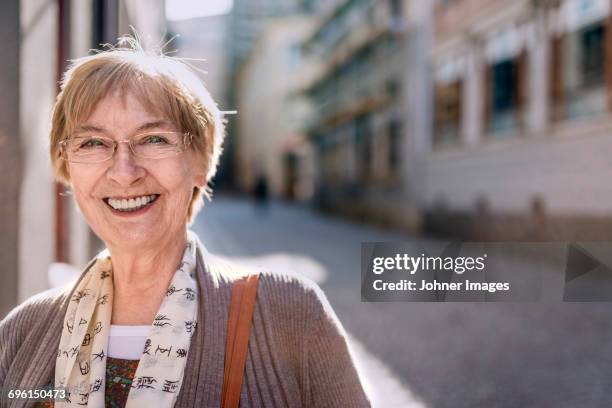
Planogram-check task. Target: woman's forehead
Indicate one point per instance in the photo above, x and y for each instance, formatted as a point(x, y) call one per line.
point(144, 126)
point(122, 100)
point(124, 108)
point(125, 103)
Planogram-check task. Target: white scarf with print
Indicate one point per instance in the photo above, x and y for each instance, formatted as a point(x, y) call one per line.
point(80, 366)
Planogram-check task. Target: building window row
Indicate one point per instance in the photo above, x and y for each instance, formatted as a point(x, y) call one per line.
point(578, 61)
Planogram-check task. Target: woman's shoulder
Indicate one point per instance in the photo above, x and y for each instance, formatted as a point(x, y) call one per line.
point(232, 269)
point(289, 284)
point(282, 294)
point(278, 287)
point(276, 282)
point(40, 305)
point(33, 309)
point(31, 319)
point(292, 294)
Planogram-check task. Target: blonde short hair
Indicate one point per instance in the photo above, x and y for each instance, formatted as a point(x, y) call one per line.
point(165, 85)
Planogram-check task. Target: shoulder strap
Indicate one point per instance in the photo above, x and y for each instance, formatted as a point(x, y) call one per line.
point(241, 309)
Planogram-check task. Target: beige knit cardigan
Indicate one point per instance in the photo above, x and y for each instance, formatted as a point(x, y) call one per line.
point(298, 355)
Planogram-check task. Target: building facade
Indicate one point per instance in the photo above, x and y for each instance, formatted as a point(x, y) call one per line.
point(247, 21)
point(521, 120)
point(479, 118)
point(271, 146)
point(11, 163)
point(202, 41)
point(362, 108)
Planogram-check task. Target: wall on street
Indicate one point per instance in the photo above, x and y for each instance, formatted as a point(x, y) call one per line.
point(10, 154)
point(203, 42)
point(545, 176)
point(37, 90)
point(565, 174)
point(271, 114)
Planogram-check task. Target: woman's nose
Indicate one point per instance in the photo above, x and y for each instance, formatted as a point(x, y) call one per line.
point(125, 168)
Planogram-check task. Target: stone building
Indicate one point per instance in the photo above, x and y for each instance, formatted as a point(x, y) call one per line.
point(203, 42)
point(372, 70)
point(521, 120)
point(247, 21)
point(270, 142)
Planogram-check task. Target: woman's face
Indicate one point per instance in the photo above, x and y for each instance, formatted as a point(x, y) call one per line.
point(97, 187)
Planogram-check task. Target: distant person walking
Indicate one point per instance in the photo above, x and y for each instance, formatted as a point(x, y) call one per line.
point(261, 195)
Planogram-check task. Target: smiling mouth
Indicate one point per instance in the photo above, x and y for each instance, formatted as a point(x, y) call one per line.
point(131, 204)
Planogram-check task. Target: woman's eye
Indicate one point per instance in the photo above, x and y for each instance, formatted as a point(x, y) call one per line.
point(89, 143)
point(154, 139)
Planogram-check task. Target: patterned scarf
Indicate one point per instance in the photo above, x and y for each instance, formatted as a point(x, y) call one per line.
point(81, 357)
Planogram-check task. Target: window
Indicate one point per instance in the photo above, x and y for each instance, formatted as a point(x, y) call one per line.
point(105, 21)
point(393, 87)
point(395, 134)
point(396, 8)
point(329, 153)
point(579, 71)
point(397, 19)
point(557, 88)
point(505, 87)
point(363, 145)
point(504, 83)
point(447, 113)
point(592, 62)
point(294, 56)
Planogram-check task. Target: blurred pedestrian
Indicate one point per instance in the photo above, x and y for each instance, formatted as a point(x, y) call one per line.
point(260, 194)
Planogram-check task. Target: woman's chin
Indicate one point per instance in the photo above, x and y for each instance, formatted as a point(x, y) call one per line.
point(136, 236)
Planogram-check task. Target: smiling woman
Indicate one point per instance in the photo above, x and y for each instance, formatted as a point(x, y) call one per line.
point(156, 320)
point(102, 170)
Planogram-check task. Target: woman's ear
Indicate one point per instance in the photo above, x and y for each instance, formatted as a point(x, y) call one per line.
point(200, 179)
point(200, 175)
point(199, 170)
point(65, 174)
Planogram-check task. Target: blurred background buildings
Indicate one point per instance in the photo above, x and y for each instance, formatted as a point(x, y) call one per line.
point(361, 98)
point(270, 142)
point(521, 119)
point(481, 119)
point(477, 119)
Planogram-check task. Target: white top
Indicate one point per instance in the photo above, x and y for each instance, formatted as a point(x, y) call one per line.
point(127, 342)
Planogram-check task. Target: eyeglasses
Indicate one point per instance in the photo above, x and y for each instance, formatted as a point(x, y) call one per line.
point(92, 148)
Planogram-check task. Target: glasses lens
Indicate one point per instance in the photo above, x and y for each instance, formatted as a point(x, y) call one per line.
point(157, 145)
point(89, 149)
point(151, 145)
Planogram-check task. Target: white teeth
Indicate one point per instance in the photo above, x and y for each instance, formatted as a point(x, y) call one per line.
point(131, 204)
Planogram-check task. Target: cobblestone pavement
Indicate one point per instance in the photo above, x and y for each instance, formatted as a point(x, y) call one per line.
point(443, 354)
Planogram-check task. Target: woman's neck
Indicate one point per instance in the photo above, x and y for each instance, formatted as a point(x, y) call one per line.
point(141, 278)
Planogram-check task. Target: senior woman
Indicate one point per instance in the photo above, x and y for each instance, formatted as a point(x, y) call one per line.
point(137, 137)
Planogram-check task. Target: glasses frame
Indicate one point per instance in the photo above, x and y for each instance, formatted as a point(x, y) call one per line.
point(187, 138)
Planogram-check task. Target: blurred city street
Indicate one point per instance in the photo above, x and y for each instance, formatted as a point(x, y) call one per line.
point(446, 354)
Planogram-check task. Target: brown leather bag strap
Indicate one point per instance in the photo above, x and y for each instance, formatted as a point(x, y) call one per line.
point(241, 310)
